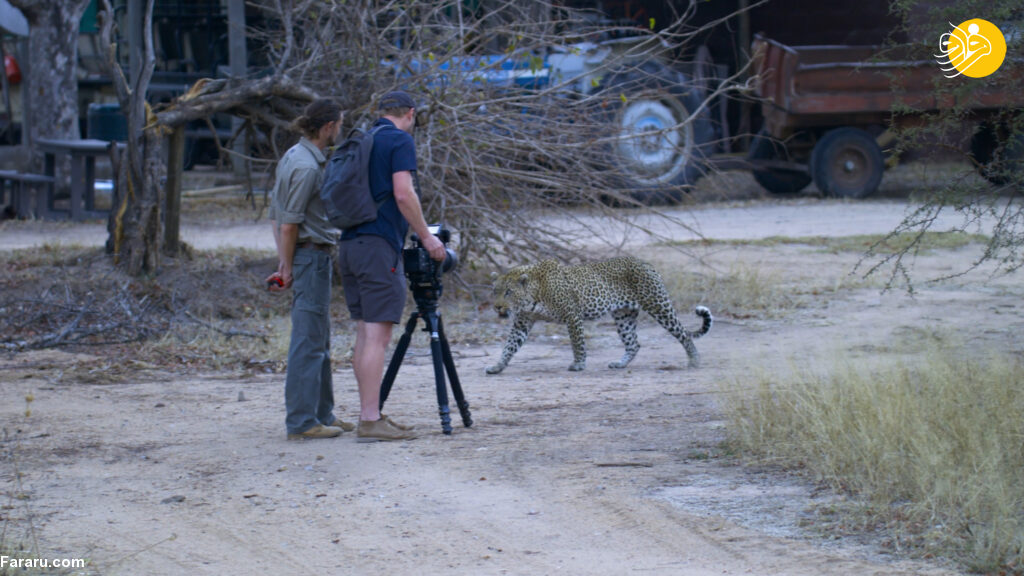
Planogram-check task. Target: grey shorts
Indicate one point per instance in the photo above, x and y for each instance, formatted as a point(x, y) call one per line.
point(373, 279)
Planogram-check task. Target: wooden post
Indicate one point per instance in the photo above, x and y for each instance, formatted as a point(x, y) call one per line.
point(172, 192)
point(22, 54)
point(746, 109)
point(117, 197)
point(238, 57)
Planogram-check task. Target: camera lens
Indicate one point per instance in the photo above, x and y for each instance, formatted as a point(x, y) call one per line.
point(451, 260)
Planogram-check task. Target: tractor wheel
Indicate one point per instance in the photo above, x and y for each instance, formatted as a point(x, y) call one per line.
point(847, 163)
point(655, 150)
point(774, 180)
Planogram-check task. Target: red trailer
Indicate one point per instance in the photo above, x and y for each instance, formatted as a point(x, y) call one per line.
point(828, 110)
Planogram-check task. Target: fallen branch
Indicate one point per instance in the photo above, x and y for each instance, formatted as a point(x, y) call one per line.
point(229, 333)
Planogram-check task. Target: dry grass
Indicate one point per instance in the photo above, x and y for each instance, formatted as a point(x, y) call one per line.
point(860, 243)
point(934, 447)
point(205, 309)
point(885, 244)
point(746, 290)
point(208, 310)
point(741, 291)
point(749, 290)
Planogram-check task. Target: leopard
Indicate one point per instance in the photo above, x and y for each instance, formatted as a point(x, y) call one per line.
point(571, 294)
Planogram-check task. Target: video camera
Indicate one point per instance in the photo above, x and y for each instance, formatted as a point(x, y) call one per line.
point(423, 272)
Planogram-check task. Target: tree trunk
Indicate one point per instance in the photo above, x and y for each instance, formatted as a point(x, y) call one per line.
point(135, 223)
point(51, 107)
point(53, 62)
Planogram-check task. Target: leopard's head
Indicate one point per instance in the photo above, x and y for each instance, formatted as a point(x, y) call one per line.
point(514, 291)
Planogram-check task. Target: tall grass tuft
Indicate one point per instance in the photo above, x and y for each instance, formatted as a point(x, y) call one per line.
point(935, 446)
point(742, 291)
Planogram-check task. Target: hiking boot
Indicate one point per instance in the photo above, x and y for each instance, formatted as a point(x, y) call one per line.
point(318, 431)
point(396, 424)
point(339, 423)
point(380, 430)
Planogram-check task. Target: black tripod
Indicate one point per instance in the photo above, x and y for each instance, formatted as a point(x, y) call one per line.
point(426, 308)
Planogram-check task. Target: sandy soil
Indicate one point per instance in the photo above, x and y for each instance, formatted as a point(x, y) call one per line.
point(597, 472)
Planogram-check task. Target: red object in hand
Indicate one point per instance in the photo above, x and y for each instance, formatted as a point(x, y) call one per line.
point(12, 69)
point(275, 278)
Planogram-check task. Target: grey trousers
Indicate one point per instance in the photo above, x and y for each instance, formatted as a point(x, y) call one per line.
point(308, 389)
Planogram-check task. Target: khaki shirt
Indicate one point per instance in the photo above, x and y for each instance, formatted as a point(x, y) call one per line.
point(296, 195)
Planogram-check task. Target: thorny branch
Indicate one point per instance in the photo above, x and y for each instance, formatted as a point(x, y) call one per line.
point(992, 204)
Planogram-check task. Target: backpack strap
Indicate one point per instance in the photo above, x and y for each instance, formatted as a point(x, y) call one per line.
point(369, 152)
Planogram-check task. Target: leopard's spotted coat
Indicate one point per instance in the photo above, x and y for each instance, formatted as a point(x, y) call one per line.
point(573, 294)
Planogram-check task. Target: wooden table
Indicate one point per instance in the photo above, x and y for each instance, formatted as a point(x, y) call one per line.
point(83, 155)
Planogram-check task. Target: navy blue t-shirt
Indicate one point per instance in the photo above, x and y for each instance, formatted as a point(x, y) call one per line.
point(393, 151)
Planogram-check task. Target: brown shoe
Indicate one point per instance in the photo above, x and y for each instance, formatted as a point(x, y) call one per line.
point(339, 423)
point(380, 430)
point(405, 427)
point(318, 431)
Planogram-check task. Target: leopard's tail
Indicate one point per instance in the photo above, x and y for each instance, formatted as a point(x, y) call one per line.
point(704, 313)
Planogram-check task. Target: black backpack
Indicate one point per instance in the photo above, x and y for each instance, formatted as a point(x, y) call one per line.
point(345, 191)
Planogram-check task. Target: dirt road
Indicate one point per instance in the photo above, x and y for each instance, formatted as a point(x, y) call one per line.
point(596, 472)
point(741, 221)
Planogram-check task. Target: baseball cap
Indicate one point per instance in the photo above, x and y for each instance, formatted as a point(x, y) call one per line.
point(395, 99)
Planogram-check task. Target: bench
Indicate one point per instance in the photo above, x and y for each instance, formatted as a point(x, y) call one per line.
point(82, 154)
point(17, 190)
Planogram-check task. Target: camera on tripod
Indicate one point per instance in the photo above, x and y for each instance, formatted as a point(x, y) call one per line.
point(422, 270)
point(424, 274)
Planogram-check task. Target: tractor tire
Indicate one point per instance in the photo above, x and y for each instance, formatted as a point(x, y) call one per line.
point(775, 181)
point(847, 163)
point(655, 152)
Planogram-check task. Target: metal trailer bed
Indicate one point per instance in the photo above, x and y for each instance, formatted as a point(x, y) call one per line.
point(828, 111)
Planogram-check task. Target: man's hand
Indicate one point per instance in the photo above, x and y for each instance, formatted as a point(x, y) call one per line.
point(278, 282)
point(435, 247)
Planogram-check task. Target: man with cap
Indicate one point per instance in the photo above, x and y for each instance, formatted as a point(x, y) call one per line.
point(370, 258)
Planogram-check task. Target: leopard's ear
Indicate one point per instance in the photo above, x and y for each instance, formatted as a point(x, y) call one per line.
point(524, 279)
point(494, 275)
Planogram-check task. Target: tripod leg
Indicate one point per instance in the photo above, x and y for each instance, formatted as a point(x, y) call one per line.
point(453, 377)
point(396, 358)
point(442, 389)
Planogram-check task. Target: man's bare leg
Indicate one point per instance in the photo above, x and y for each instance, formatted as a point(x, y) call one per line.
point(372, 339)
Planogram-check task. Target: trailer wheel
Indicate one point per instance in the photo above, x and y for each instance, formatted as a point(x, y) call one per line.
point(847, 163)
point(656, 148)
point(774, 180)
point(999, 155)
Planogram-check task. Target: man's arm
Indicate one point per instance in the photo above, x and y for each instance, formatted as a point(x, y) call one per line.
point(409, 206)
point(287, 238)
point(289, 215)
point(277, 235)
